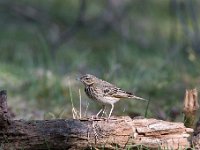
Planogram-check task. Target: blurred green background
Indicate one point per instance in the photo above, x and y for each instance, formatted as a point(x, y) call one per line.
point(151, 48)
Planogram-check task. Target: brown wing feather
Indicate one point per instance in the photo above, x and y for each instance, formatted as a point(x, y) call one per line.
point(116, 92)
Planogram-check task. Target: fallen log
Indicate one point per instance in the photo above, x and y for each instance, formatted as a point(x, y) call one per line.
point(118, 132)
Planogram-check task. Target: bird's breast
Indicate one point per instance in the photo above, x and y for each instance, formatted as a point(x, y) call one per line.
point(89, 92)
point(98, 96)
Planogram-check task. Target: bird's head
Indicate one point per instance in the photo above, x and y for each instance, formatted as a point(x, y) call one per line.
point(88, 79)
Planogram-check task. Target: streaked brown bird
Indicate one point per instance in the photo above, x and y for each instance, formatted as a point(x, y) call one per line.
point(104, 92)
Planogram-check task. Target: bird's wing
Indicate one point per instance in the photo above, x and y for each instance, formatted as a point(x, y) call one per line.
point(113, 91)
point(110, 90)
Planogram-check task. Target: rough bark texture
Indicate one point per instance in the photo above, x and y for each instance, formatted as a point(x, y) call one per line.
point(115, 133)
point(196, 136)
point(4, 114)
point(81, 134)
point(191, 106)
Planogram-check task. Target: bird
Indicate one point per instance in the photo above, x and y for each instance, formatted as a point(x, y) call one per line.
point(104, 92)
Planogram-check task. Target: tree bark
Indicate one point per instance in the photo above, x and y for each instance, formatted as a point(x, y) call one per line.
point(120, 132)
point(190, 108)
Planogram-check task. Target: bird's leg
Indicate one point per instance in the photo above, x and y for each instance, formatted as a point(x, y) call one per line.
point(102, 109)
point(98, 113)
point(111, 110)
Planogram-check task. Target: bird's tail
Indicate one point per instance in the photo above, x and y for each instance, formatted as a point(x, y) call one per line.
point(139, 98)
point(131, 95)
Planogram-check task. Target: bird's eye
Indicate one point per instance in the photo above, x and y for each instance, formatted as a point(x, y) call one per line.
point(87, 78)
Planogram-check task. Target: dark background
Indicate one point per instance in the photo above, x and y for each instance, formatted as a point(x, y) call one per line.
point(151, 48)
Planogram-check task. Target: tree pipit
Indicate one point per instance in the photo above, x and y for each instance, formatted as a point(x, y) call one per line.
point(104, 92)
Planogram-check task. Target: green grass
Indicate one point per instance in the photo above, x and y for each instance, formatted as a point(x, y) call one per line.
point(147, 62)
